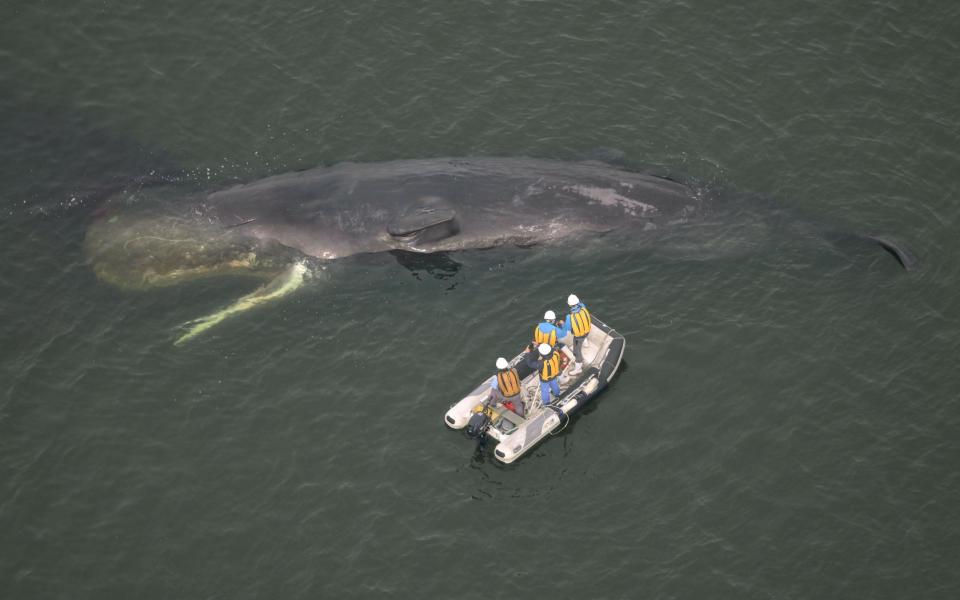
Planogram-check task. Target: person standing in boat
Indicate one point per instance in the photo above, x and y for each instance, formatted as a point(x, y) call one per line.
point(551, 331)
point(578, 323)
point(549, 372)
point(505, 387)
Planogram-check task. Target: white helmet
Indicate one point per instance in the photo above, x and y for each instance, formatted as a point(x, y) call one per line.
point(502, 363)
point(544, 349)
point(572, 300)
point(549, 315)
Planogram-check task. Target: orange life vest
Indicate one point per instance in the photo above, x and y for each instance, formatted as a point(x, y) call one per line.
point(550, 367)
point(545, 338)
point(508, 381)
point(580, 322)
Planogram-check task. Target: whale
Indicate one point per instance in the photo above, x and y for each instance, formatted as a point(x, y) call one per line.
point(270, 228)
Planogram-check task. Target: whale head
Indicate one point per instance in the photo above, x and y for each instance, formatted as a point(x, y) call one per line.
point(142, 249)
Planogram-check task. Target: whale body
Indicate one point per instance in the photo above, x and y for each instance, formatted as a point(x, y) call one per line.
point(166, 235)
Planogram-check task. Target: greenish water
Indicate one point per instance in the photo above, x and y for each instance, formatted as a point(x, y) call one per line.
point(785, 425)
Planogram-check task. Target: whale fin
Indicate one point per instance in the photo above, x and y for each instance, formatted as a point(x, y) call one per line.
point(429, 220)
point(283, 284)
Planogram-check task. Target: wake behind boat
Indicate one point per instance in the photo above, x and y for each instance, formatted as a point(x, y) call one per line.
point(515, 434)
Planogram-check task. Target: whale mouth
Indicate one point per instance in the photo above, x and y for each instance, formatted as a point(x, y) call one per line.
point(140, 250)
point(143, 251)
point(283, 284)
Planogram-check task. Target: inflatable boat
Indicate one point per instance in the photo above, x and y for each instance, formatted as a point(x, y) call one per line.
point(516, 435)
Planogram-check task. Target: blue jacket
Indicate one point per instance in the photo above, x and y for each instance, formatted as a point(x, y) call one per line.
point(547, 327)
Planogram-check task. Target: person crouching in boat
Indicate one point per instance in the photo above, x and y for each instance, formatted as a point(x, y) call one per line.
point(531, 357)
point(505, 387)
point(549, 371)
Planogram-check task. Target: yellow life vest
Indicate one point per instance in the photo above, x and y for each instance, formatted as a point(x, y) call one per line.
point(580, 322)
point(550, 367)
point(545, 338)
point(508, 381)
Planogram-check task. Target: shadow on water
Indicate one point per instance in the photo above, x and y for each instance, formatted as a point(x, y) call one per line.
point(439, 265)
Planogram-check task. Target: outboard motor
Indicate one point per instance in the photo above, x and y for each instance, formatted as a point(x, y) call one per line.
point(477, 426)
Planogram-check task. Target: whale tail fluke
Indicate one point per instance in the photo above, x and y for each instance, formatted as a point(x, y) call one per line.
point(283, 284)
point(897, 249)
point(903, 254)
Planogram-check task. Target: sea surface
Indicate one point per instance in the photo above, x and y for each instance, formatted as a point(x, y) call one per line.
point(786, 423)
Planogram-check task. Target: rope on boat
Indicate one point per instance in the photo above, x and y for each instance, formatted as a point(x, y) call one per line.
point(564, 418)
